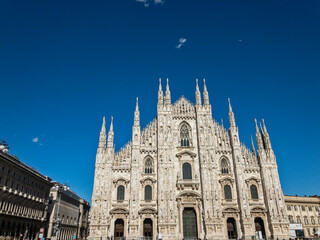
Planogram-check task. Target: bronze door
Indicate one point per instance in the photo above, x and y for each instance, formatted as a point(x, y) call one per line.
point(189, 224)
point(118, 229)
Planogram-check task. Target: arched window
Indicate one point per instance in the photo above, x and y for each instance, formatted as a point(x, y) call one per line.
point(224, 166)
point(254, 192)
point(186, 171)
point(227, 192)
point(306, 221)
point(148, 193)
point(120, 193)
point(298, 219)
point(291, 219)
point(184, 136)
point(148, 166)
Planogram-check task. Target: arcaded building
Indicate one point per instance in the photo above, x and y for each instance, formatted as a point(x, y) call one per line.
point(185, 176)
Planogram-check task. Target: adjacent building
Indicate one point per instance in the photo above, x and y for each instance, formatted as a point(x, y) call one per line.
point(303, 215)
point(185, 176)
point(33, 207)
point(24, 194)
point(67, 214)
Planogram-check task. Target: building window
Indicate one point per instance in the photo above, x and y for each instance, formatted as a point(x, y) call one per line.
point(254, 192)
point(186, 171)
point(318, 220)
point(184, 136)
point(313, 221)
point(148, 193)
point(227, 192)
point(306, 221)
point(148, 166)
point(295, 207)
point(120, 193)
point(310, 208)
point(224, 166)
point(317, 208)
point(303, 208)
point(298, 219)
point(289, 207)
point(291, 219)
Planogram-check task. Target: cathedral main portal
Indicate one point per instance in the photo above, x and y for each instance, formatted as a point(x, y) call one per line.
point(189, 224)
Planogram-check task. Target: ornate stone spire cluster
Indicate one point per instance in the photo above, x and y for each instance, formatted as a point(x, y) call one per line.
point(198, 94)
point(149, 134)
point(160, 94)
point(205, 94)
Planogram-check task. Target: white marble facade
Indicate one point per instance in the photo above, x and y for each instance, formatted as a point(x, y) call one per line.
point(184, 176)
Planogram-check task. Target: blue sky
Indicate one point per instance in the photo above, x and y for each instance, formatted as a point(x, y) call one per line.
point(66, 64)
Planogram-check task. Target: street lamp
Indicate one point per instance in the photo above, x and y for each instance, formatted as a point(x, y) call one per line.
point(4, 146)
point(57, 221)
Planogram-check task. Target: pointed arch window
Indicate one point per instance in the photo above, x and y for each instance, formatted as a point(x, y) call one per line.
point(148, 193)
point(254, 192)
point(186, 171)
point(227, 192)
point(225, 166)
point(184, 136)
point(120, 193)
point(148, 166)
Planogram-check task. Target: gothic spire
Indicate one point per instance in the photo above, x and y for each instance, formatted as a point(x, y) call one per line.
point(102, 138)
point(110, 135)
point(258, 137)
point(252, 146)
point(232, 120)
point(160, 94)
point(205, 93)
point(137, 115)
point(266, 136)
point(168, 94)
point(198, 94)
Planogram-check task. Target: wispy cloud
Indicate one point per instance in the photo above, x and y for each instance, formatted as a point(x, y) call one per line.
point(181, 42)
point(146, 3)
point(35, 140)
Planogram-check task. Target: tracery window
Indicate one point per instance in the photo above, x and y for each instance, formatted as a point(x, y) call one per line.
point(227, 192)
point(120, 193)
point(224, 166)
point(148, 193)
point(184, 136)
point(254, 192)
point(148, 168)
point(186, 171)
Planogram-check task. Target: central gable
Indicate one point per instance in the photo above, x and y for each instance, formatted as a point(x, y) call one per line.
point(183, 109)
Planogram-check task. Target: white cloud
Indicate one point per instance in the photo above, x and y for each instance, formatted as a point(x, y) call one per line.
point(35, 140)
point(146, 3)
point(182, 41)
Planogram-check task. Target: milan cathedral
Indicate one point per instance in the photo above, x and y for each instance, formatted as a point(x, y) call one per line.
point(185, 176)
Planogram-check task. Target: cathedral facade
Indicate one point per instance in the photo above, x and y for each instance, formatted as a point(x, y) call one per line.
point(184, 176)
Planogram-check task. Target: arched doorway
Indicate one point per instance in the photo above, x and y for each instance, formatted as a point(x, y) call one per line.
point(232, 228)
point(259, 225)
point(147, 228)
point(118, 229)
point(189, 224)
